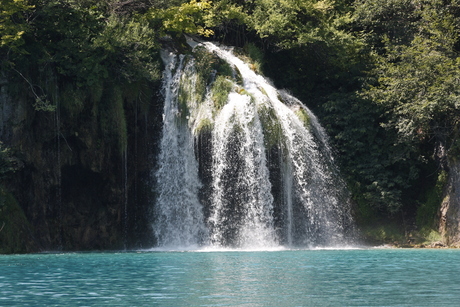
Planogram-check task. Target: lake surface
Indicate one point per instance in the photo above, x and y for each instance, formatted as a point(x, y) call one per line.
point(355, 277)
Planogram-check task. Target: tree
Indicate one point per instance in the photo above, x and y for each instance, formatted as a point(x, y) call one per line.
point(419, 82)
point(395, 19)
point(188, 18)
point(393, 133)
point(13, 22)
point(293, 23)
point(376, 165)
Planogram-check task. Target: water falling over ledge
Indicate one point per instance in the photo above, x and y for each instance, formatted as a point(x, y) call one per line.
point(242, 164)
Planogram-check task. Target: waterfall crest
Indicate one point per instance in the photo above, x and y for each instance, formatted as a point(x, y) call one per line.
point(242, 164)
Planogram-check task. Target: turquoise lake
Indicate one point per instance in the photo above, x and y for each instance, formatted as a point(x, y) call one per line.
point(354, 277)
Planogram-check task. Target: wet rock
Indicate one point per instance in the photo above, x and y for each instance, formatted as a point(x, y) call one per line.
point(449, 223)
point(437, 244)
point(77, 190)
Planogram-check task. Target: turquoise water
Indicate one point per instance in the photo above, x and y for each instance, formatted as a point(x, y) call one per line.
point(366, 277)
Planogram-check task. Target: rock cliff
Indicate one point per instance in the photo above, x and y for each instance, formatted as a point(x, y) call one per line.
point(75, 187)
point(449, 223)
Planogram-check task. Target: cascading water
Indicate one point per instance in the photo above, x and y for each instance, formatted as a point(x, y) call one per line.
point(265, 176)
point(179, 216)
point(242, 204)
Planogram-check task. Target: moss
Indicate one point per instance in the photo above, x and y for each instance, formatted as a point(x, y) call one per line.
point(271, 126)
point(281, 98)
point(262, 90)
point(208, 65)
point(390, 231)
point(427, 212)
point(192, 87)
point(205, 125)
point(112, 118)
point(241, 91)
point(384, 234)
point(14, 226)
point(120, 122)
point(184, 97)
point(95, 93)
point(205, 64)
point(429, 236)
point(141, 93)
point(72, 99)
point(220, 90)
point(251, 55)
point(131, 91)
point(256, 55)
point(303, 116)
point(224, 69)
point(238, 77)
point(454, 150)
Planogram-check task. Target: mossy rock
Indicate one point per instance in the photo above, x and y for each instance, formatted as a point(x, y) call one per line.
point(389, 233)
point(72, 99)
point(205, 125)
point(112, 118)
point(209, 68)
point(271, 126)
point(184, 97)
point(252, 55)
point(15, 230)
point(220, 90)
point(427, 212)
point(303, 116)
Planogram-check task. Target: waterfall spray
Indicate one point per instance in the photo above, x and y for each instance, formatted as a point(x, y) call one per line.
point(245, 119)
point(124, 165)
point(178, 213)
point(242, 207)
point(59, 166)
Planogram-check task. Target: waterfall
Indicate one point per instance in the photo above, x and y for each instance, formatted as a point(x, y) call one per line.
point(178, 213)
point(59, 167)
point(124, 172)
point(242, 204)
point(266, 176)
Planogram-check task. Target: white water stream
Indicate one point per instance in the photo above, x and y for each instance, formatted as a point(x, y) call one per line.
point(179, 218)
point(295, 199)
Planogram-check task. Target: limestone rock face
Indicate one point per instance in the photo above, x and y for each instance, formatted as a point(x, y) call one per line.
point(449, 225)
point(76, 188)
